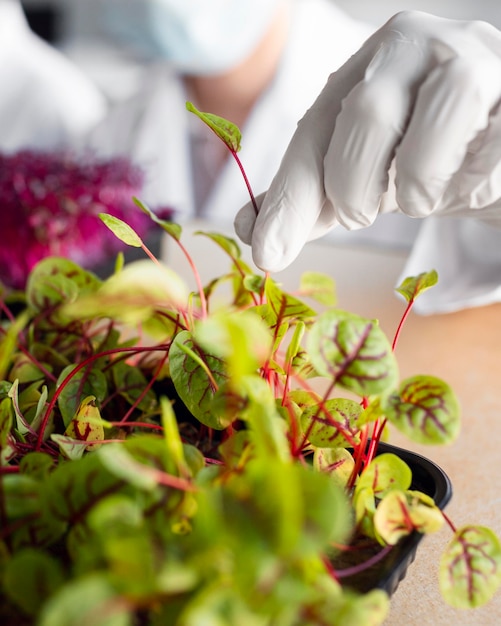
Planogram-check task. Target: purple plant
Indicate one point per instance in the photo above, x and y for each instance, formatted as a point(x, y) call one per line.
point(49, 206)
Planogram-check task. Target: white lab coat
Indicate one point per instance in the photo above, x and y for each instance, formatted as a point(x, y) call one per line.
point(154, 128)
point(45, 101)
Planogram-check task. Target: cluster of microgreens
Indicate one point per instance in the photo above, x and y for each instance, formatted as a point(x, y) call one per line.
point(165, 459)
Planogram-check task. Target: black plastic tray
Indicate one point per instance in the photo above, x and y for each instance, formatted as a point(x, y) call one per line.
point(387, 573)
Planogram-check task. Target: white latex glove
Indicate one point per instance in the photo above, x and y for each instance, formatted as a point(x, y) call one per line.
point(422, 98)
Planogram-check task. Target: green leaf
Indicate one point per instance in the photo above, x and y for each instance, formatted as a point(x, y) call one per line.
point(197, 375)
point(172, 437)
point(8, 343)
point(240, 338)
point(399, 514)
point(83, 482)
point(31, 576)
point(327, 430)
point(470, 567)
point(121, 230)
point(350, 609)
point(225, 130)
point(318, 286)
point(353, 351)
point(5, 420)
point(122, 464)
point(24, 504)
point(55, 281)
point(22, 425)
point(134, 294)
point(21, 495)
point(413, 286)
point(337, 462)
point(130, 382)
point(36, 464)
point(84, 383)
point(425, 409)
point(284, 306)
point(40, 410)
point(385, 473)
point(171, 228)
point(84, 601)
point(295, 342)
point(228, 244)
point(86, 424)
point(268, 431)
point(69, 447)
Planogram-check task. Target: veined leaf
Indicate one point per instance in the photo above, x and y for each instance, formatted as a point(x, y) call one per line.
point(385, 473)
point(353, 351)
point(401, 513)
point(83, 383)
point(196, 375)
point(337, 462)
point(87, 424)
point(470, 568)
point(413, 286)
point(31, 576)
point(71, 448)
point(425, 409)
point(55, 281)
point(240, 338)
point(327, 430)
point(284, 306)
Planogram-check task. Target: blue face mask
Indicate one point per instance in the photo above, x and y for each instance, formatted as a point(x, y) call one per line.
point(201, 37)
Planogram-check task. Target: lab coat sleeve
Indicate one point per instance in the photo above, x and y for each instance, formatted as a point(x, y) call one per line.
point(466, 253)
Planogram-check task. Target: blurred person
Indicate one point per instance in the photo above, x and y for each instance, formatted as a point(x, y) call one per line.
point(46, 101)
point(422, 93)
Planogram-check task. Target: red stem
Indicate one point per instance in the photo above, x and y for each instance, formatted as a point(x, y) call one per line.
point(247, 183)
point(402, 322)
point(79, 367)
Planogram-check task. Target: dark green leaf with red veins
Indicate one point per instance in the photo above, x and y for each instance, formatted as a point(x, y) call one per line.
point(30, 577)
point(284, 306)
point(84, 383)
point(352, 351)
point(55, 281)
point(413, 286)
point(401, 513)
point(188, 368)
point(425, 409)
point(228, 132)
point(325, 426)
point(470, 567)
point(130, 382)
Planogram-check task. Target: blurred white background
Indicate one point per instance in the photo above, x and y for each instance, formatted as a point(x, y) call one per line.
point(76, 17)
point(72, 25)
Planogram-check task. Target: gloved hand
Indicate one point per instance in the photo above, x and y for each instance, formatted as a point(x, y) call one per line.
point(422, 99)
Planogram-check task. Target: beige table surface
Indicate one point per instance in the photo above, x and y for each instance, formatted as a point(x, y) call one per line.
point(463, 348)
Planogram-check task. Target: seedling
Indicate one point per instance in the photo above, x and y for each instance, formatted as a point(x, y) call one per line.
point(167, 460)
